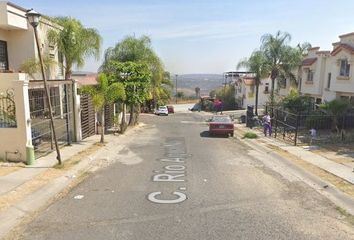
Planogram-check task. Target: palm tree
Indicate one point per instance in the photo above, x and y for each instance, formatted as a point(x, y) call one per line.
point(104, 94)
point(74, 42)
point(281, 58)
point(197, 92)
point(257, 64)
point(337, 108)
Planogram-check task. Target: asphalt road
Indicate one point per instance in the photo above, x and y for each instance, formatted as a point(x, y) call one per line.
point(172, 181)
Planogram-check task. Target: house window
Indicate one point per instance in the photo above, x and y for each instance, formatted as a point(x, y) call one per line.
point(266, 89)
point(310, 75)
point(61, 63)
point(4, 63)
point(344, 68)
point(329, 80)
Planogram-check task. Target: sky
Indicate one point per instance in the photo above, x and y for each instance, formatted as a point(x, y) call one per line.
point(205, 36)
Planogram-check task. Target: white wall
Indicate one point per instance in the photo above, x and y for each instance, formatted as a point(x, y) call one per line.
point(338, 84)
point(15, 139)
point(19, 35)
point(312, 87)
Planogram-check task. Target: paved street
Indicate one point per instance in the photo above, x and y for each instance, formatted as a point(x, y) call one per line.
point(172, 181)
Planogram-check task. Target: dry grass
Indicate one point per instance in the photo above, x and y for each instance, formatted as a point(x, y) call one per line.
point(348, 217)
point(7, 170)
point(77, 158)
point(341, 184)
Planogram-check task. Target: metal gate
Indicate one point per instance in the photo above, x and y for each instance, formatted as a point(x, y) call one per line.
point(109, 116)
point(61, 95)
point(87, 116)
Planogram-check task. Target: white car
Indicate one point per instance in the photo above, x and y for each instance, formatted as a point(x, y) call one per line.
point(163, 110)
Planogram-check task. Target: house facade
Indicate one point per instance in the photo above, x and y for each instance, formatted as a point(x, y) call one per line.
point(328, 75)
point(24, 103)
point(245, 90)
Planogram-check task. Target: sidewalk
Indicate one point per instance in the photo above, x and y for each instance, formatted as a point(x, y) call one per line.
point(19, 177)
point(29, 188)
point(343, 171)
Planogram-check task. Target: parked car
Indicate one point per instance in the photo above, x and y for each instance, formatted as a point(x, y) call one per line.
point(162, 110)
point(196, 107)
point(221, 125)
point(36, 138)
point(170, 109)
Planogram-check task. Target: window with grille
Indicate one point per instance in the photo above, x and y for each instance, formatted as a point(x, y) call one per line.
point(344, 68)
point(310, 75)
point(4, 64)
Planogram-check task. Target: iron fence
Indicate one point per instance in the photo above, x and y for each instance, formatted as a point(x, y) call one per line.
point(295, 127)
point(61, 95)
point(7, 109)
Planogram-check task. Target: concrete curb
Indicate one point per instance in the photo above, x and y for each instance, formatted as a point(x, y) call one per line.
point(339, 198)
point(42, 197)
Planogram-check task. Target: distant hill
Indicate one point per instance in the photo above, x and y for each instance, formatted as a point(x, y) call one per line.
point(206, 82)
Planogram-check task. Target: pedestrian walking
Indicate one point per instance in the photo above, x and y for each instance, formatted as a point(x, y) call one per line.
point(267, 125)
point(221, 106)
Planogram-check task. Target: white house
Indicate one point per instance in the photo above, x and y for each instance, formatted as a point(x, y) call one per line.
point(339, 82)
point(328, 75)
point(245, 90)
point(24, 94)
point(313, 71)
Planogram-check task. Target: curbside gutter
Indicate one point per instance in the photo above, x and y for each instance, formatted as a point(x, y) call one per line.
point(321, 186)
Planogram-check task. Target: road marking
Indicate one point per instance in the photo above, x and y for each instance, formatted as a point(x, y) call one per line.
point(175, 171)
point(153, 198)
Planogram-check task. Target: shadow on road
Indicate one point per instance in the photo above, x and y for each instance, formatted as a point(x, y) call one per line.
point(206, 134)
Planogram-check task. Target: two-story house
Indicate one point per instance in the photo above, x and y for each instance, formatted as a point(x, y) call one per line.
point(22, 90)
point(313, 71)
point(328, 75)
point(245, 90)
point(340, 76)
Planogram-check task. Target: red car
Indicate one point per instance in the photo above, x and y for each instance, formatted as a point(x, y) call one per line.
point(221, 125)
point(170, 109)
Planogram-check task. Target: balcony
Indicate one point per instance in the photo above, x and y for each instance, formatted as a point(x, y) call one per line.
point(12, 17)
point(9, 76)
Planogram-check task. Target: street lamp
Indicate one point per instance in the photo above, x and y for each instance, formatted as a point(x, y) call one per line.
point(34, 18)
point(176, 88)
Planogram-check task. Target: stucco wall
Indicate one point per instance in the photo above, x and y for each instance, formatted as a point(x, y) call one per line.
point(337, 84)
point(20, 47)
point(19, 35)
point(14, 140)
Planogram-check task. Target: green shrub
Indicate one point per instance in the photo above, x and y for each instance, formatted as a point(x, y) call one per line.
point(250, 135)
point(318, 122)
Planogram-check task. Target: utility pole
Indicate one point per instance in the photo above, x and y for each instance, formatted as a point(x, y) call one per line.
point(176, 87)
point(34, 18)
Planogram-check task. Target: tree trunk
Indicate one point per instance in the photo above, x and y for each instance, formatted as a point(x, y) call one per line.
point(137, 114)
point(102, 126)
point(123, 124)
point(68, 73)
point(256, 103)
point(131, 117)
point(272, 92)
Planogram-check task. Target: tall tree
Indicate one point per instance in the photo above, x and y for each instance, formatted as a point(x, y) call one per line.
point(103, 94)
point(281, 58)
point(74, 42)
point(256, 63)
point(139, 50)
point(302, 50)
point(135, 77)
